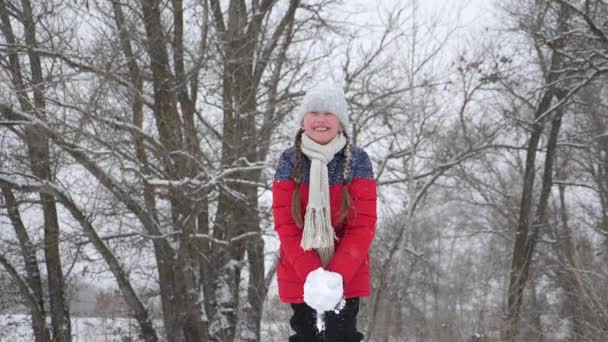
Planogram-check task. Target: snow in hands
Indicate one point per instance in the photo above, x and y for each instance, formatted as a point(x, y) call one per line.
point(323, 291)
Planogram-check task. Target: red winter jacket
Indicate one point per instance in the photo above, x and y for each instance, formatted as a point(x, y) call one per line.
point(355, 234)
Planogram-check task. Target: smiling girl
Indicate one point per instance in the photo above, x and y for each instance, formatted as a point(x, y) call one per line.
point(324, 208)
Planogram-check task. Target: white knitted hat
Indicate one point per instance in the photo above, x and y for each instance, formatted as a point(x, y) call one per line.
point(324, 98)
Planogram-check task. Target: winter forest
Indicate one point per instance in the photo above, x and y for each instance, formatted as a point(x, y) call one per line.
point(139, 139)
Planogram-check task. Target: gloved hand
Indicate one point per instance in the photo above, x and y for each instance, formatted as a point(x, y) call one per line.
point(323, 289)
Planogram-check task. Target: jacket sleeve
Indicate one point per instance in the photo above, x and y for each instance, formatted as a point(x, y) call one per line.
point(290, 235)
point(360, 226)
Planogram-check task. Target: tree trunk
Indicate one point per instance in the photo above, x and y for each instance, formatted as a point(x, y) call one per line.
point(164, 257)
point(32, 280)
point(599, 130)
point(41, 332)
point(140, 313)
point(38, 149)
point(571, 303)
point(526, 236)
point(169, 124)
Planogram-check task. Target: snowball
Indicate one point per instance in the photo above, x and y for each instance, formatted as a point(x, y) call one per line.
point(323, 290)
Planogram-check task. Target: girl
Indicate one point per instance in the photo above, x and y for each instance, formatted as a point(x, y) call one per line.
point(324, 208)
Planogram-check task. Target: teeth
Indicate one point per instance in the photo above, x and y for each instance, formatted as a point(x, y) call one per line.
point(321, 129)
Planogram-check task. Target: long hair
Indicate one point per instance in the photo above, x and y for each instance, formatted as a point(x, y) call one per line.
point(346, 202)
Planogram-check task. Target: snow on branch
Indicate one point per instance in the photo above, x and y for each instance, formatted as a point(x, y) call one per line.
point(82, 66)
point(177, 233)
point(227, 242)
point(605, 134)
point(570, 93)
point(592, 26)
point(575, 184)
point(200, 183)
point(76, 151)
point(441, 168)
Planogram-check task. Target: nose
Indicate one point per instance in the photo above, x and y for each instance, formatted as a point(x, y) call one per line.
point(320, 117)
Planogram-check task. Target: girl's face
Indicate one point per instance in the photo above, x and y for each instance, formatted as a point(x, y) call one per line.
point(321, 127)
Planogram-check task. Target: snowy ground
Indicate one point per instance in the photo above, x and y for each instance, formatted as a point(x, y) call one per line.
point(17, 328)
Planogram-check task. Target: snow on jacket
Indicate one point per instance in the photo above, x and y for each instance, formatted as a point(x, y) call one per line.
point(355, 233)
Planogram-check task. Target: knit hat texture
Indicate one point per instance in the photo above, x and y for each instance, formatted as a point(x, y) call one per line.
point(325, 97)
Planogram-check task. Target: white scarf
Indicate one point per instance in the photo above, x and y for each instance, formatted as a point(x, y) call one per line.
point(318, 232)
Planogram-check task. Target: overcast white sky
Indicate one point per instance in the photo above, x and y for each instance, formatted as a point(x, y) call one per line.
point(469, 15)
